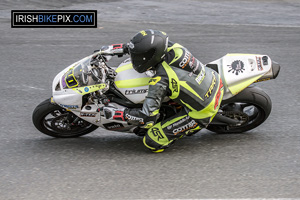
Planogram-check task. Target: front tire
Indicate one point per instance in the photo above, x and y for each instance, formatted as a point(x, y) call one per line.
point(55, 121)
point(251, 107)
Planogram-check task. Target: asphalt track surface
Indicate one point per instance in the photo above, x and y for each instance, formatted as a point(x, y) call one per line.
point(263, 163)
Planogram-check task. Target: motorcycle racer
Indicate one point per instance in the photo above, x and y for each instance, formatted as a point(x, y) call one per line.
point(179, 76)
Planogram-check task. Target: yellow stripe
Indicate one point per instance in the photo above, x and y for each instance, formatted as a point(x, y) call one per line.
point(132, 83)
point(153, 81)
point(91, 88)
point(187, 105)
point(234, 89)
point(178, 54)
point(176, 45)
point(158, 151)
point(155, 112)
point(144, 141)
point(186, 86)
point(172, 75)
point(148, 126)
point(168, 123)
point(124, 68)
point(208, 111)
point(178, 51)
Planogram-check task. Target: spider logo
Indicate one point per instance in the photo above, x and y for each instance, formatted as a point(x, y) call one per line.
point(237, 67)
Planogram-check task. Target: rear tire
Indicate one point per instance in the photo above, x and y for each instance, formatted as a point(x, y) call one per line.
point(251, 107)
point(55, 121)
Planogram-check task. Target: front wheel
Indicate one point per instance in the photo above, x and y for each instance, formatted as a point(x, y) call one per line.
point(250, 108)
point(56, 121)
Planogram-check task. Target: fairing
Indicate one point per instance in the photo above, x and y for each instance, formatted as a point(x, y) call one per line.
point(133, 85)
point(236, 70)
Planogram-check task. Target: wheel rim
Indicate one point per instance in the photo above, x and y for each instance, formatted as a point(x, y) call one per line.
point(247, 114)
point(64, 123)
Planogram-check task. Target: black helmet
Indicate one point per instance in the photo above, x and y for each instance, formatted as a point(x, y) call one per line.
point(147, 49)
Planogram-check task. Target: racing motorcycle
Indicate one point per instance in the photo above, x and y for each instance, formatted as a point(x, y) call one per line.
point(80, 91)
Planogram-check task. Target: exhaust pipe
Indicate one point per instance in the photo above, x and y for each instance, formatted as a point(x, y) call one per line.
point(275, 69)
point(223, 120)
point(271, 74)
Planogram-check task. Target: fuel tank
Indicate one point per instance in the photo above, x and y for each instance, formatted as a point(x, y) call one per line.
point(130, 83)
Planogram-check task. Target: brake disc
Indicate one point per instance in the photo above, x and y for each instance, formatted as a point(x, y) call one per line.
point(243, 118)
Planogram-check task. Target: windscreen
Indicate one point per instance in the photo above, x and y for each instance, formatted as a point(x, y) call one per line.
point(81, 74)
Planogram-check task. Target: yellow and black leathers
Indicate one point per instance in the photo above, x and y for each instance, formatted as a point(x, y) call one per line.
point(185, 80)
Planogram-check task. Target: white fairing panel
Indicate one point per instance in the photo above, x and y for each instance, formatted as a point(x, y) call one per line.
point(238, 71)
point(132, 84)
point(66, 98)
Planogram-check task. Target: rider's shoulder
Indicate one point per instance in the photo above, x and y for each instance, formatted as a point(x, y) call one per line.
point(173, 45)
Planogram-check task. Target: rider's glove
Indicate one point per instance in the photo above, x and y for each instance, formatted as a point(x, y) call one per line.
point(112, 113)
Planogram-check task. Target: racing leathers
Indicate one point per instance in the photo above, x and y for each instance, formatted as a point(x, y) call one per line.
point(186, 81)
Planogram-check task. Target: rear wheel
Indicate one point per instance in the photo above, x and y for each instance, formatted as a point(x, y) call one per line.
point(250, 108)
point(56, 121)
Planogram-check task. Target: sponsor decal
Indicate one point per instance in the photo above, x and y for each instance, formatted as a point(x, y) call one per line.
point(212, 86)
point(119, 115)
point(265, 60)
point(190, 125)
point(174, 85)
point(195, 67)
point(54, 18)
point(200, 76)
point(131, 92)
point(178, 123)
point(143, 33)
point(192, 62)
point(113, 126)
point(156, 133)
point(259, 64)
point(69, 106)
point(218, 94)
point(83, 114)
point(126, 60)
point(186, 59)
point(252, 65)
point(134, 118)
point(130, 45)
point(237, 67)
point(154, 80)
point(70, 79)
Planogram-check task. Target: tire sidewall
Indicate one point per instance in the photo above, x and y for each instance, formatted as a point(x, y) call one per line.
point(42, 110)
point(252, 95)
